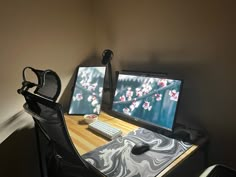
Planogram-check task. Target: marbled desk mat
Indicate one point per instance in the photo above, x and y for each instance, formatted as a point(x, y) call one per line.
point(116, 160)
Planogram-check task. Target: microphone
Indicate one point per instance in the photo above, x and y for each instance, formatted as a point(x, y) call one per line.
point(107, 56)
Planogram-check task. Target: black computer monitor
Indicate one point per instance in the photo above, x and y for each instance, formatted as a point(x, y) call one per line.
point(88, 90)
point(147, 98)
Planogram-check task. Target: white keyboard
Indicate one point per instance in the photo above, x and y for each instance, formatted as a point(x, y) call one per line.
point(105, 129)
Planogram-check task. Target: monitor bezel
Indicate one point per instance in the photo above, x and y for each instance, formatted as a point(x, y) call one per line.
point(138, 121)
point(73, 89)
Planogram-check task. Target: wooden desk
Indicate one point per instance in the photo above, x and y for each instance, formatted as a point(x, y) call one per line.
point(85, 140)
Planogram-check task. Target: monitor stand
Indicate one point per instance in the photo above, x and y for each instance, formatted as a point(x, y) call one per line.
point(186, 134)
point(180, 132)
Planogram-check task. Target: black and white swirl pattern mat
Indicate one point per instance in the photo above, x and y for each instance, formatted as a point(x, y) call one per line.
point(116, 160)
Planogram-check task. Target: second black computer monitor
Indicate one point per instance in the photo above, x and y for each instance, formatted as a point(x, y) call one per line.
point(88, 90)
point(147, 98)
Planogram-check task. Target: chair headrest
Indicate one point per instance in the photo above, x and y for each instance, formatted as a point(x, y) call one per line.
point(48, 84)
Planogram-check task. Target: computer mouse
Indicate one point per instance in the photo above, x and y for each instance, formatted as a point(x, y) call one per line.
point(140, 148)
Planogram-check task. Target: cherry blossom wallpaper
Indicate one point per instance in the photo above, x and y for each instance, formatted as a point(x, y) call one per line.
point(150, 99)
point(88, 90)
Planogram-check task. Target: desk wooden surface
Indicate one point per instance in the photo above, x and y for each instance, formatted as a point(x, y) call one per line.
point(85, 140)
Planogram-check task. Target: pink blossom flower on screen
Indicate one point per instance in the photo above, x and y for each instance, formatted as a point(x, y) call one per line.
point(138, 92)
point(133, 105)
point(92, 87)
point(78, 96)
point(94, 102)
point(84, 84)
point(126, 110)
point(158, 96)
point(174, 95)
point(162, 82)
point(92, 97)
point(129, 92)
point(122, 98)
point(147, 106)
point(97, 108)
point(89, 98)
point(146, 88)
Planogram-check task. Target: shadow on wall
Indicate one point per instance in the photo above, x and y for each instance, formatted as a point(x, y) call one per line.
point(17, 122)
point(14, 161)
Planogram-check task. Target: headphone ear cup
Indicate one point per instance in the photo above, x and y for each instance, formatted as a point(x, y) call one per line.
point(107, 56)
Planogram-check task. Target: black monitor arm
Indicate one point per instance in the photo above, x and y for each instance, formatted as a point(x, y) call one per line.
point(106, 60)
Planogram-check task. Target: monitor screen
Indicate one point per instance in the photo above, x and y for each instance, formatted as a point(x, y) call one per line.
point(147, 98)
point(88, 89)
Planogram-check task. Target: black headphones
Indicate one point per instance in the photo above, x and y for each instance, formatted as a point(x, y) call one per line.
point(107, 56)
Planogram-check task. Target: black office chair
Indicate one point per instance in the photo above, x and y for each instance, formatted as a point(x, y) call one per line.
point(57, 154)
point(219, 170)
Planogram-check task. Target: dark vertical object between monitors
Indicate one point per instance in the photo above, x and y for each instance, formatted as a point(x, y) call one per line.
point(107, 56)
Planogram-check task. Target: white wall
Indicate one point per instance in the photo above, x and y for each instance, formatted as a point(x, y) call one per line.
point(45, 34)
point(193, 40)
point(55, 35)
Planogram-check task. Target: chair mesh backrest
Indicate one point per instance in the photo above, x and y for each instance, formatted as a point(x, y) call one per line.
point(57, 153)
point(51, 84)
point(47, 114)
point(48, 84)
point(49, 117)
